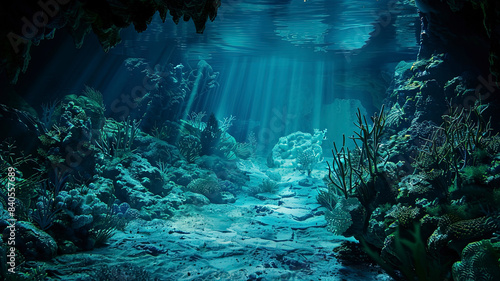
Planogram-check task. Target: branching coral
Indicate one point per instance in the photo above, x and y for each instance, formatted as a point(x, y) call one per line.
point(47, 114)
point(46, 208)
point(358, 176)
point(190, 147)
point(340, 173)
point(124, 137)
point(453, 145)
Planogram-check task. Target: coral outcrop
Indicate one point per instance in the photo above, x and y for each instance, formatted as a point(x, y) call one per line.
point(298, 150)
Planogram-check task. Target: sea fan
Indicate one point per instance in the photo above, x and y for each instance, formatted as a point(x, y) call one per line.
point(395, 115)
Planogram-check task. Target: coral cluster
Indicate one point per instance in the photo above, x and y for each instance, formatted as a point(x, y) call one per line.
point(298, 150)
point(90, 175)
point(432, 157)
point(165, 90)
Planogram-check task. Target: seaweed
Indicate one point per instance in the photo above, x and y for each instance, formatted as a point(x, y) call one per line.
point(210, 136)
point(408, 259)
point(46, 208)
point(358, 175)
point(124, 137)
point(459, 142)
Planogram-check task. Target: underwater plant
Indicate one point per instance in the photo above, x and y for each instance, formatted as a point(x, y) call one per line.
point(244, 150)
point(95, 96)
point(455, 145)
point(405, 257)
point(474, 174)
point(116, 139)
point(266, 186)
point(46, 210)
point(168, 132)
point(308, 158)
point(358, 174)
point(210, 136)
point(162, 166)
point(124, 136)
point(340, 173)
point(198, 138)
point(369, 142)
point(27, 272)
point(48, 110)
point(443, 204)
point(395, 115)
point(46, 207)
point(25, 170)
point(103, 143)
point(328, 197)
point(195, 120)
point(103, 227)
point(339, 219)
point(190, 147)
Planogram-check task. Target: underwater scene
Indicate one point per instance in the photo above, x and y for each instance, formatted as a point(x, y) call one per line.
point(300, 140)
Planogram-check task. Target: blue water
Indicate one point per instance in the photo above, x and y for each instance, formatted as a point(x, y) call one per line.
point(272, 56)
point(278, 67)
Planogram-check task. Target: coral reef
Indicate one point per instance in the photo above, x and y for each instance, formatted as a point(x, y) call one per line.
point(167, 95)
point(298, 150)
point(417, 184)
point(190, 148)
point(479, 262)
point(77, 199)
point(437, 174)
